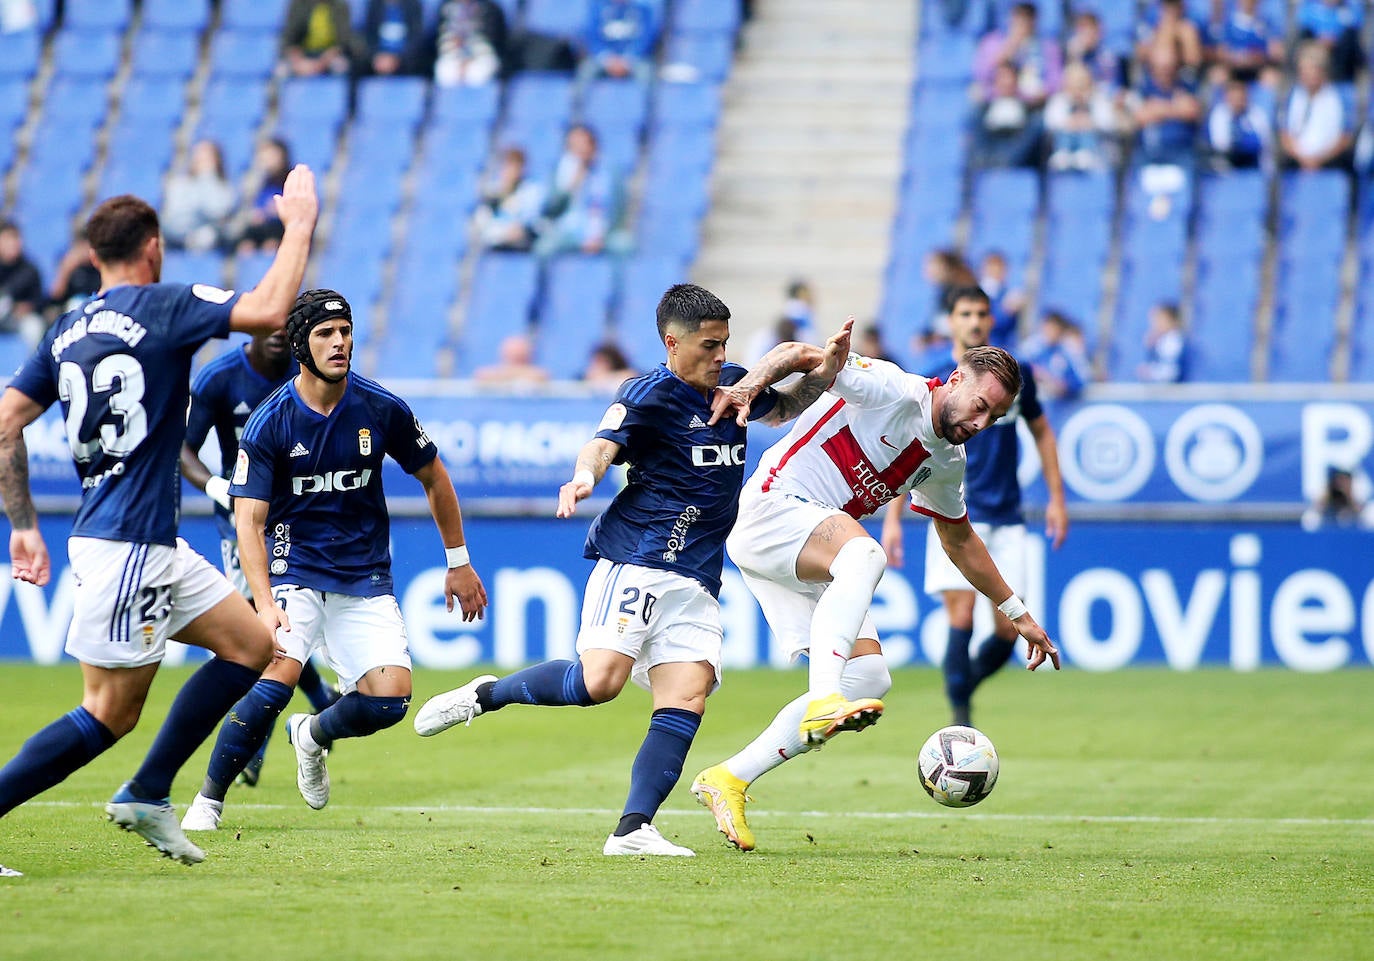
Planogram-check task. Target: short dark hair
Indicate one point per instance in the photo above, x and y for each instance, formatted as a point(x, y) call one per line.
point(995, 361)
point(966, 292)
point(119, 227)
point(689, 306)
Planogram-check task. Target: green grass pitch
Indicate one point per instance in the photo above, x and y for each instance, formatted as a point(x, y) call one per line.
point(1142, 814)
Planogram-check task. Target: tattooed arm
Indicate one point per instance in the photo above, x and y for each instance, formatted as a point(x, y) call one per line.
point(595, 458)
point(28, 553)
point(823, 363)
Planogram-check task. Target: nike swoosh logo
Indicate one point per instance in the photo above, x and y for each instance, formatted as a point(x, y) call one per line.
point(883, 440)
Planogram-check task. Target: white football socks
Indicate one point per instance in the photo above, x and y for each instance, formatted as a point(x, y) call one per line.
point(855, 572)
point(864, 676)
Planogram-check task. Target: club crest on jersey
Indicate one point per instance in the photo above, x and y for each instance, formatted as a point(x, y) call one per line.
point(364, 441)
point(921, 475)
point(278, 567)
point(613, 418)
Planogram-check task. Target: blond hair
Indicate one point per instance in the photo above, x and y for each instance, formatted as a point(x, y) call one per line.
point(996, 361)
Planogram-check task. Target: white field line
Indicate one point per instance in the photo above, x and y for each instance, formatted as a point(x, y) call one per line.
point(813, 815)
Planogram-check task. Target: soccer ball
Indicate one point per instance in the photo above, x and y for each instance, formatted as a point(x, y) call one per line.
point(958, 766)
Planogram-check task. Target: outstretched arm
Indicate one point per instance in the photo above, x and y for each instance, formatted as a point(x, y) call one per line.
point(28, 553)
point(595, 458)
point(820, 363)
point(1056, 511)
point(264, 308)
point(461, 581)
point(968, 552)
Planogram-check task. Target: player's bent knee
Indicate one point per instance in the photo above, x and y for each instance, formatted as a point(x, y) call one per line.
point(381, 713)
point(866, 676)
point(860, 561)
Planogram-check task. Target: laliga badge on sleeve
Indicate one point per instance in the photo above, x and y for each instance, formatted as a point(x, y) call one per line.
point(210, 294)
point(613, 418)
point(240, 468)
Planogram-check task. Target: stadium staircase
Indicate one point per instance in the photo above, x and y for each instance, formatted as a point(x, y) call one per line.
point(809, 157)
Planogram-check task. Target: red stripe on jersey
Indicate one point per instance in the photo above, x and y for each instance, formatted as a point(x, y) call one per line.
point(801, 442)
point(872, 487)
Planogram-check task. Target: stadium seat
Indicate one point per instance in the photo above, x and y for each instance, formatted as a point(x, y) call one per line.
point(706, 16)
point(320, 99)
point(86, 53)
point(561, 18)
point(438, 231)
point(19, 54)
point(189, 15)
point(14, 350)
point(691, 105)
point(153, 98)
point(618, 103)
point(710, 55)
point(96, 14)
point(252, 14)
point(234, 99)
point(398, 100)
point(184, 267)
point(1008, 193)
point(75, 102)
point(397, 357)
point(243, 53)
point(310, 141)
point(539, 98)
point(163, 54)
point(141, 179)
point(1086, 194)
point(644, 278)
point(467, 106)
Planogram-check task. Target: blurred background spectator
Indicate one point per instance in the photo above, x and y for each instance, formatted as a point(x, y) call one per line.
point(1335, 25)
point(620, 41)
point(76, 278)
point(1316, 130)
point(1080, 121)
point(1007, 127)
point(200, 202)
point(393, 38)
point(1166, 111)
point(1058, 357)
point(511, 205)
point(1035, 60)
point(260, 228)
point(317, 38)
point(21, 287)
point(1245, 44)
point(471, 43)
point(608, 367)
point(1085, 47)
point(1338, 505)
point(1006, 300)
point(583, 205)
point(1166, 347)
point(515, 366)
point(868, 342)
point(1167, 28)
point(1239, 134)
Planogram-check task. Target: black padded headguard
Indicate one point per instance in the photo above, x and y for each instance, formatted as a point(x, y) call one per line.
point(313, 308)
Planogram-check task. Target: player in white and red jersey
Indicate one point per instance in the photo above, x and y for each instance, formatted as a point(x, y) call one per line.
point(878, 433)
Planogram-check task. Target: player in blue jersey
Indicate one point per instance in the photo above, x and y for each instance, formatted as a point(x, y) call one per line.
point(120, 365)
point(223, 394)
point(314, 537)
point(993, 495)
point(649, 611)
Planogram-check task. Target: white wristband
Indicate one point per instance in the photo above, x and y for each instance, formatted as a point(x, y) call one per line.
point(584, 476)
point(457, 556)
point(1013, 607)
point(217, 489)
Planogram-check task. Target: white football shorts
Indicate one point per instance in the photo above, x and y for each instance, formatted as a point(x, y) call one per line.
point(1007, 545)
point(229, 560)
point(354, 634)
point(654, 616)
point(130, 598)
point(765, 543)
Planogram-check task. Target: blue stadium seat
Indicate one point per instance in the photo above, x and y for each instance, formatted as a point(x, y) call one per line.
point(710, 54)
point(1298, 356)
point(541, 141)
point(446, 178)
point(1012, 193)
point(14, 104)
point(618, 148)
point(936, 106)
point(56, 151)
point(96, 14)
point(75, 102)
point(1314, 195)
point(381, 146)
point(946, 59)
point(371, 192)
point(706, 16)
point(320, 99)
point(466, 106)
point(355, 272)
point(393, 99)
point(310, 141)
point(682, 148)
point(234, 98)
point(235, 138)
point(573, 315)
point(607, 103)
point(437, 232)
point(252, 14)
point(686, 105)
point(19, 54)
point(249, 269)
point(190, 15)
point(130, 177)
point(1080, 193)
point(1241, 193)
point(539, 97)
point(165, 53)
point(562, 18)
point(147, 143)
point(502, 295)
point(400, 357)
point(644, 278)
point(86, 53)
point(421, 300)
point(1084, 239)
point(243, 53)
point(669, 233)
point(184, 267)
point(153, 98)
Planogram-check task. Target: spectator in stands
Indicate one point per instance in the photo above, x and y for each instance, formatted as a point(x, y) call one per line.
point(1238, 132)
point(1165, 112)
point(1166, 347)
point(515, 367)
point(511, 206)
point(1080, 121)
point(1167, 28)
point(76, 279)
point(1005, 301)
point(394, 38)
point(620, 41)
point(1006, 129)
point(317, 38)
point(1085, 47)
point(21, 287)
point(1245, 44)
point(1316, 130)
point(1035, 61)
point(1058, 357)
point(1335, 25)
point(794, 323)
point(868, 342)
point(200, 202)
point(584, 204)
point(471, 43)
point(946, 271)
point(261, 228)
point(1338, 505)
point(608, 367)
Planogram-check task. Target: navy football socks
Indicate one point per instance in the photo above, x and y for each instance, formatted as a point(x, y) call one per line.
point(46, 759)
point(958, 670)
point(658, 765)
point(552, 683)
point(356, 715)
point(243, 733)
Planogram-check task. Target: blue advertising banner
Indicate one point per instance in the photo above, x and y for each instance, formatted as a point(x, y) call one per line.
point(1115, 595)
point(1145, 451)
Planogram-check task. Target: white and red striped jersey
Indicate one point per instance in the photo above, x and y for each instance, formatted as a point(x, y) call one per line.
point(868, 439)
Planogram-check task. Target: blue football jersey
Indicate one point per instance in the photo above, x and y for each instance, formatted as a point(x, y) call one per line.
point(682, 489)
point(991, 488)
point(327, 523)
point(121, 366)
point(223, 394)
